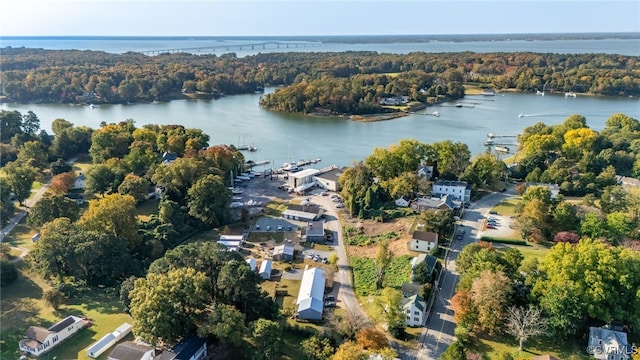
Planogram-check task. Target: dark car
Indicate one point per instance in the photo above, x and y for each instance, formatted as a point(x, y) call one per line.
point(330, 304)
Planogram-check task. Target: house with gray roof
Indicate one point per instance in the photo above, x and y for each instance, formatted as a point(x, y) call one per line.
point(423, 241)
point(608, 344)
point(283, 252)
point(414, 308)
point(302, 212)
point(429, 260)
point(39, 340)
point(314, 231)
point(129, 350)
point(311, 296)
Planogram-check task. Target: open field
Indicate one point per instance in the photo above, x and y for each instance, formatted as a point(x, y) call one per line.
point(529, 251)
point(493, 347)
point(507, 207)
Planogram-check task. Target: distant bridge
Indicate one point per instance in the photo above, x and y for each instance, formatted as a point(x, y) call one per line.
point(232, 47)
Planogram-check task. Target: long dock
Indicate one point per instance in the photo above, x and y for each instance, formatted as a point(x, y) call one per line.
point(251, 163)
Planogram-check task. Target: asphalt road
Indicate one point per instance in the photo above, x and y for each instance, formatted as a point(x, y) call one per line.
point(440, 324)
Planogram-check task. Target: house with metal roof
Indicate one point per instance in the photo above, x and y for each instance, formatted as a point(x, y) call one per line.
point(232, 242)
point(311, 296)
point(107, 341)
point(265, 269)
point(314, 231)
point(129, 350)
point(252, 263)
point(415, 310)
point(302, 212)
point(283, 252)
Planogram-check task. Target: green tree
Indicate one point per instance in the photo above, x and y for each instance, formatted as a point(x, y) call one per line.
point(267, 336)
point(455, 351)
point(209, 200)
point(50, 208)
point(114, 214)
point(20, 178)
point(167, 306)
point(388, 308)
point(30, 123)
point(11, 124)
point(34, 154)
point(8, 272)
point(383, 258)
point(226, 323)
point(125, 291)
point(614, 198)
point(350, 350)
point(136, 186)
point(101, 179)
point(7, 208)
point(317, 348)
point(592, 226)
point(54, 298)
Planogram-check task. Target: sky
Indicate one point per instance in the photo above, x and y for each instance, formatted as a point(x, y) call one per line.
point(313, 17)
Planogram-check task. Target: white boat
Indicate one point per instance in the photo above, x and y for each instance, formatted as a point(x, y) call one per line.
point(92, 106)
point(435, 113)
point(538, 92)
point(521, 115)
point(570, 94)
point(289, 167)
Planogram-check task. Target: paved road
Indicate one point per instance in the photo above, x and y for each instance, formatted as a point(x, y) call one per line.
point(22, 213)
point(440, 325)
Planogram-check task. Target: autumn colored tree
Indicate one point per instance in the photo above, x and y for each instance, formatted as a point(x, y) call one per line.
point(465, 310)
point(490, 293)
point(61, 183)
point(371, 338)
point(350, 351)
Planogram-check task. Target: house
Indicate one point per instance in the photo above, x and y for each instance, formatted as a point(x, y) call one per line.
point(191, 348)
point(232, 242)
point(390, 101)
point(265, 269)
point(252, 264)
point(169, 157)
point(608, 344)
point(303, 212)
point(627, 181)
point(108, 340)
point(39, 340)
point(437, 203)
point(409, 289)
point(78, 183)
point(423, 241)
point(415, 310)
point(35, 237)
point(460, 190)
point(302, 177)
point(329, 180)
point(283, 253)
point(78, 198)
point(311, 296)
point(553, 188)
point(402, 202)
point(430, 260)
point(314, 231)
point(129, 350)
point(426, 171)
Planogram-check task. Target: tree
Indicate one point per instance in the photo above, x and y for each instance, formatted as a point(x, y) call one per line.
point(441, 222)
point(8, 272)
point(50, 208)
point(618, 226)
point(11, 123)
point(114, 214)
point(455, 351)
point(525, 323)
point(61, 183)
point(592, 226)
point(465, 310)
point(30, 123)
point(54, 298)
point(226, 323)
point(383, 258)
point(350, 351)
point(317, 348)
point(136, 186)
point(371, 338)
point(34, 154)
point(266, 335)
point(567, 236)
point(101, 178)
point(209, 200)
point(490, 294)
point(348, 324)
point(125, 291)
point(7, 208)
point(20, 178)
point(167, 306)
point(388, 308)
point(614, 198)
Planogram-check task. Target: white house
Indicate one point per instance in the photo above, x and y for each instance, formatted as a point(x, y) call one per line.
point(415, 310)
point(39, 340)
point(608, 344)
point(329, 180)
point(426, 171)
point(311, 296)
point(458, 189)
point(107, 341)
point(283, 252)
point(302, 177)
point(252, 264)
point(553, 188)
point(402, 202)
point(232, 242)
point(129, 350)
point(435, 203)
point(265, 269)
point(423, 241)
point(78, 183)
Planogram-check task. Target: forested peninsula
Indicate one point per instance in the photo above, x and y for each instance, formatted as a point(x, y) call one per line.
point(345, 83)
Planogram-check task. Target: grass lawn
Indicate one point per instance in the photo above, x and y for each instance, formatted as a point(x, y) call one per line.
point(82, 166)
point(493, 347)
point(21, 235)
point(536, 251)
point(507, 207)
point(22, 306)
point(146, 208)
point(275, 208)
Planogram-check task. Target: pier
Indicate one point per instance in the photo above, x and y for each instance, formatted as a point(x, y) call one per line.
point(217, 47)
point(249, 164)
point(501, 143)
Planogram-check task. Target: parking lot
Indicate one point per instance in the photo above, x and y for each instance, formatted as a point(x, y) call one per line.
point(500, 226)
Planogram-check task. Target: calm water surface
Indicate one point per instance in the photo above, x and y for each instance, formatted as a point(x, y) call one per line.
point(283, 137)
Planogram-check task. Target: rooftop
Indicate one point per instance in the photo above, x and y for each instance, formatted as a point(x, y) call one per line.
point(427, 236)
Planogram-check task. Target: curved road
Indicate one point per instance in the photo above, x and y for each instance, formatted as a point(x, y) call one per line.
point(438, 333)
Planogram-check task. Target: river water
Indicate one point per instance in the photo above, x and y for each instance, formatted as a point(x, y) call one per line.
point(282, 137)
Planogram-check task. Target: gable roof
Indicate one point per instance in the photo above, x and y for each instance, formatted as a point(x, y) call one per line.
point(427, 236)
point(283, 249)
point(312, 285)
point(430, 260)
point(37, 333)
point(611, 339)
point(69, 320)
point(410, 289)
point(416, 300)
point(129, 350)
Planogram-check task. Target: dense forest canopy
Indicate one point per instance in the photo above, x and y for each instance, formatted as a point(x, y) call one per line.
point(73, 76)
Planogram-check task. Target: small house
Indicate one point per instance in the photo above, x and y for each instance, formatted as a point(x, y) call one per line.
point(329, 180)
point(252, 263)
point(265, 269)
point(191, 348)
point(460, 190)
point(429, 260)
point(608, 344)
point(426, 171)
point(302, 212)
point(314, 231)
point(169, 157)
point(129, 350)
point(423, 241)
point(35, 237)
point(232, 242)
point(402, 202)
point(283, 253)
point(79, 182)
point(415, 310)
point(39, 340)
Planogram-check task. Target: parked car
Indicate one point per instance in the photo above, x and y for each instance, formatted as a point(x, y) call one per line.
point(339, 206)
point(491, 227)
point(324, 193)
point(289, 228)
point(268, 227)
point(279, 227)
point(493, 212)
point(336, 199)
point(330, 304)
point(257, 226)
point(330, 297)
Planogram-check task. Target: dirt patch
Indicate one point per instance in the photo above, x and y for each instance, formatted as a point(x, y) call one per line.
point(371, 228)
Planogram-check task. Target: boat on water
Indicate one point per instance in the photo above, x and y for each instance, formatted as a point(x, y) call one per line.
point(521, 115)
point(435, 113)
point(289, 167)
point(92, 106)
point(458, 105)
point(570, 94)
point(538, 92)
